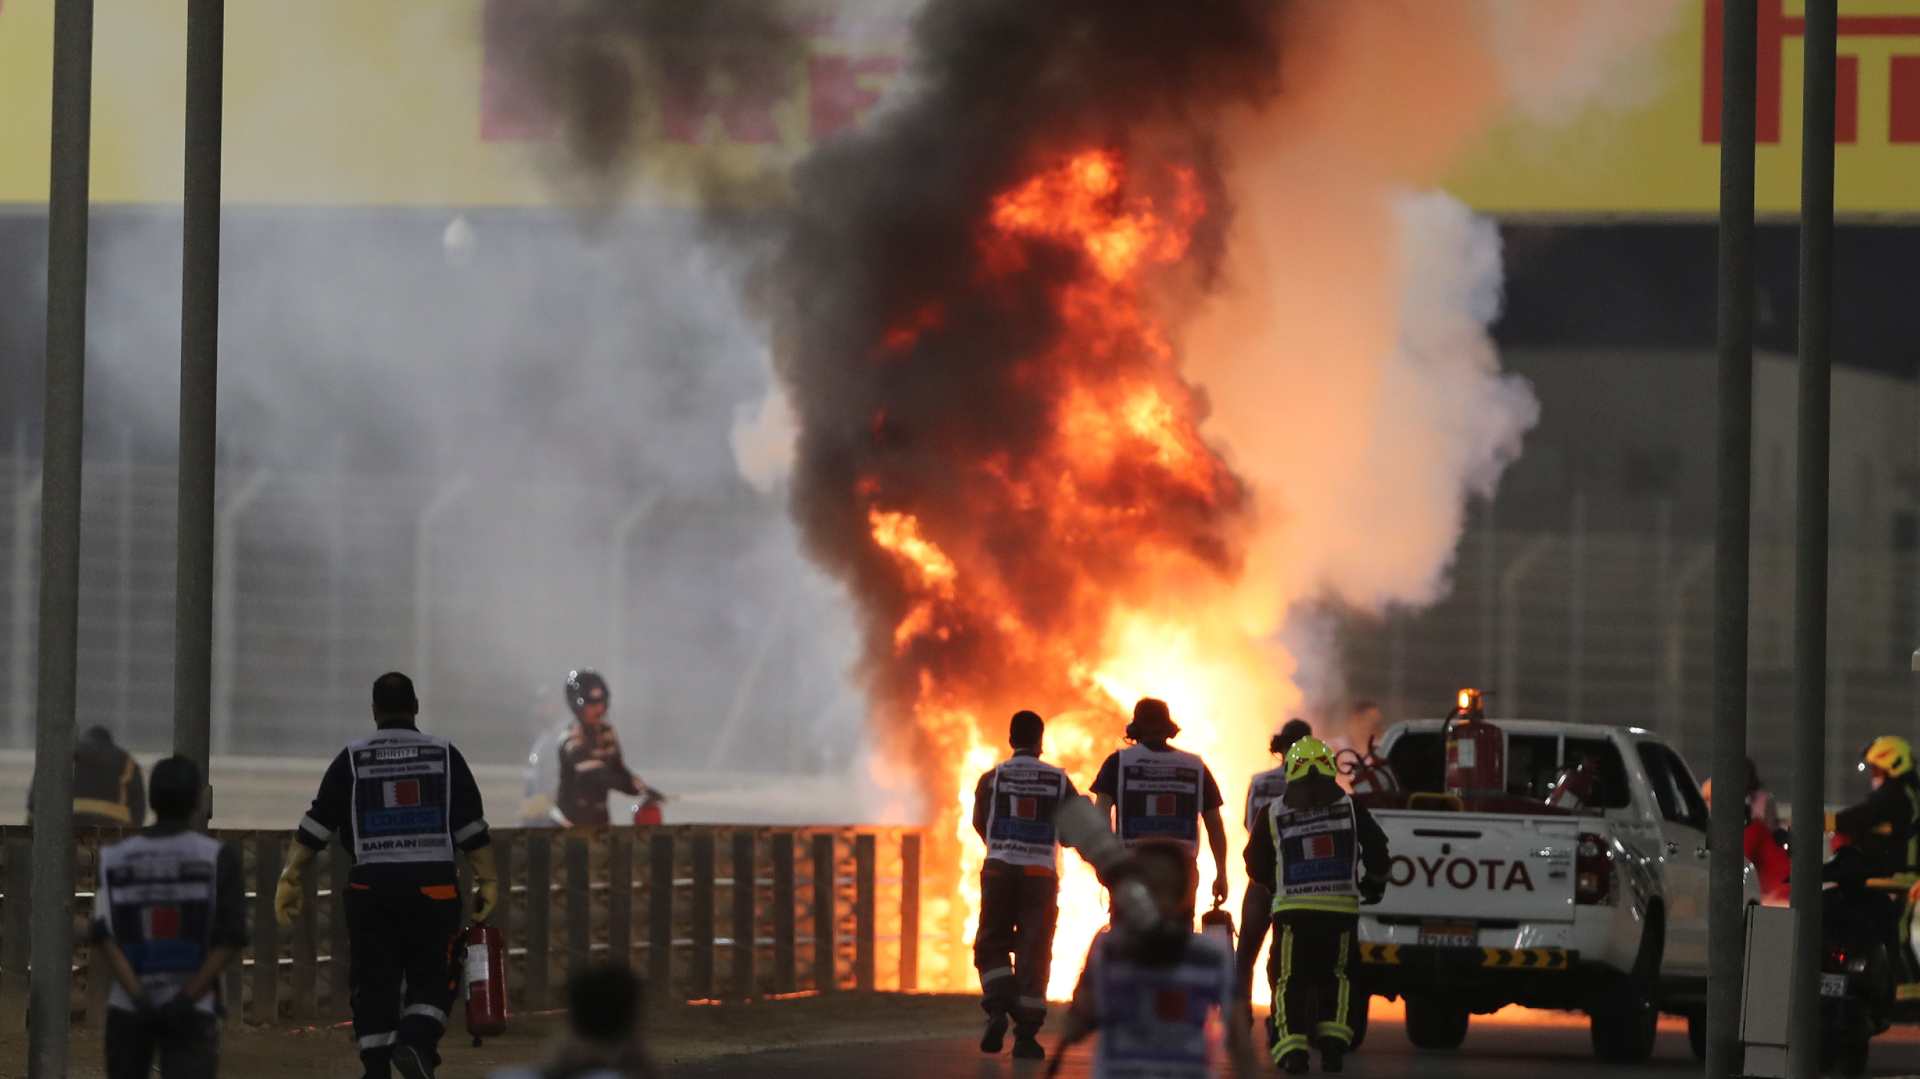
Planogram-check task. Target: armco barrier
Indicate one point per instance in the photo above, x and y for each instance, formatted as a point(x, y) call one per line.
point(706, 912)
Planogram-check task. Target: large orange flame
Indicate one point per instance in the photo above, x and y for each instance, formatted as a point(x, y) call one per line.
point(1131, 525)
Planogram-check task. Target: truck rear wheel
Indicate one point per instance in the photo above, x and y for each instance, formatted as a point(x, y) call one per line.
point(1436, 1023)
point(1625, 1026)
point(1624, 1033)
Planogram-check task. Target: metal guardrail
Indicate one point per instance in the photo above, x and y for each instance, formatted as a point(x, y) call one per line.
point(706, 912)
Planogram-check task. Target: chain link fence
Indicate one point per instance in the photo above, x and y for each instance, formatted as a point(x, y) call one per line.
point(711, 629)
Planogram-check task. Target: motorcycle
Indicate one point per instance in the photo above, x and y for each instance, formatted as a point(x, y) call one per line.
point(1869, 974)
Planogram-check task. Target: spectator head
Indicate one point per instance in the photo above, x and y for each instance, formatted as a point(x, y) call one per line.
point(97, 734)
point(1169, 873)
point(393, 699)
point(604, 1004)
point(173, 788)
point(1152, 722)
point(1026, 730)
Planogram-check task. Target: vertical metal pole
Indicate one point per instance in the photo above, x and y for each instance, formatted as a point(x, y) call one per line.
point(1576, 607)
point(26, 507)
point(1726, 920)
point(51, 975)
point(423, 580)
point(225, 644)
point(123, 590)
point(1489, 594)
point(1669, 715)
point(199, 389)
point(1810, 592)
point(1397, 663)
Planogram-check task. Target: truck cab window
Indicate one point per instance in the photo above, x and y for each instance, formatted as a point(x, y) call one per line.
point(1610, 790)
point(1533, 761)
point(1692, 805)
point(1666, 791)
point(1419, 759)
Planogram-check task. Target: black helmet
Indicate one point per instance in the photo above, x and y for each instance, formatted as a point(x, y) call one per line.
point(586, 687)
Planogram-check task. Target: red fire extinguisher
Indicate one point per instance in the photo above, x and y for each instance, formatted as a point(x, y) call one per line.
point(1476, 749)
point(486, 980)
point(1574, 789)
point(1368, 772)
point(646, 812)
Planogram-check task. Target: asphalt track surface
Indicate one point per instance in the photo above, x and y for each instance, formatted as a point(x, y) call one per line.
point(1512, 1045)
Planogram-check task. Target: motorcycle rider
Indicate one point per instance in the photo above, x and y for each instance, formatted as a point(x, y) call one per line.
point(591, 765)
point(1321, 854)
point(1884, 830)
point(1256, 905)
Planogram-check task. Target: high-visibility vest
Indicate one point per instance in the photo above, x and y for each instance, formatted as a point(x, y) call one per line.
point(1025, 792)
point(1158, 1020)
point(157, 899)
point(1264, 790)
point(1158, 795)
point(402, 799)
point(1316, 863)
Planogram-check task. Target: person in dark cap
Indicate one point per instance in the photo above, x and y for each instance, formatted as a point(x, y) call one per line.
point(170, 915)
point(107, 791)
point(1013, 807)
point(401, 802)
point(1158, 792)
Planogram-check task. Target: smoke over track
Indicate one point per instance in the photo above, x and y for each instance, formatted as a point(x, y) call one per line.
point(1128, 333)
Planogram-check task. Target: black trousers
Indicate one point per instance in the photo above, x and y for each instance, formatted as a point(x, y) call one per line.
point(133, 1041)
point(1311, 950)
point(1013, 951)
point(400, 935)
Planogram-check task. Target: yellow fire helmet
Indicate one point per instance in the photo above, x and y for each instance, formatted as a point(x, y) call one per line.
point(1309, 754)
point(1889, 753)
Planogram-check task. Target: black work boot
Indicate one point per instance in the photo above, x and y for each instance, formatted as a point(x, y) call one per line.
point(996, 1034)
point(412, 1063)
point(1028, 1047)
point(1295, 1063)
point(1333, 1055)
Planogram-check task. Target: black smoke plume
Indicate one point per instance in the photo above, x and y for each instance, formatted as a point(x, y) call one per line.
point(887, 222)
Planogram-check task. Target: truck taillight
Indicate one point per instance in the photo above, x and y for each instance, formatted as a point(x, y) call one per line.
point(1592, 871)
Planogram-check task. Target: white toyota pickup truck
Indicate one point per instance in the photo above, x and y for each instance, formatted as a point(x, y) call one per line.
point(1600, 908)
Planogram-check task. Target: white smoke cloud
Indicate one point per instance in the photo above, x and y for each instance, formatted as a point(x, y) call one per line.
point(1349, 361)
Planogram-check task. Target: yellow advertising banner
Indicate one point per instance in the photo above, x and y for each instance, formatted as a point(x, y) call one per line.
point(384, 103)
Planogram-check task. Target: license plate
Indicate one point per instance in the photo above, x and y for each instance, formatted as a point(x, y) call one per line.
point(1833, 985)
point(1449, 934)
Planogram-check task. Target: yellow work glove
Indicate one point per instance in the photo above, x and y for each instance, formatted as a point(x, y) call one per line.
point(287, 897)
point(486, 882)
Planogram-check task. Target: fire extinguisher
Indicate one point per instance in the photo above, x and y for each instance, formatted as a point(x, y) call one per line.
point(1574, 789)
point(1476, 749)
point(486, 980)
point(646, 812)
point(1367, 773)
point(1219, 923)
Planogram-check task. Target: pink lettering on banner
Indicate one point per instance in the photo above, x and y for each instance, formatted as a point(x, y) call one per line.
point(843, 89)
point(1774, 27)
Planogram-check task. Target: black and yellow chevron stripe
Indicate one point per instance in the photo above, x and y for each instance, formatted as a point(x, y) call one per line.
point(1525, 958)
point(1389, 955)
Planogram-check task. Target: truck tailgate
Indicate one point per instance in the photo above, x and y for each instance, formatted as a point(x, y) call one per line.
point(1474, 866)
